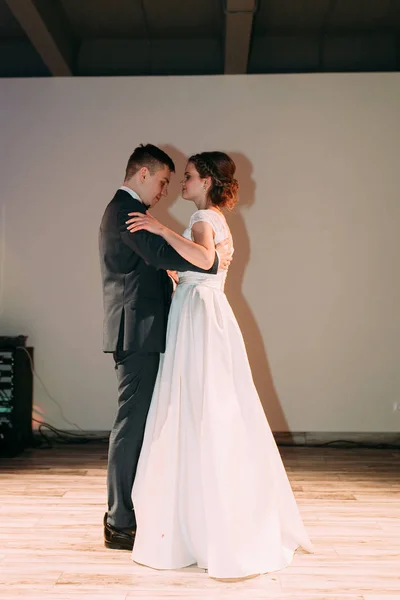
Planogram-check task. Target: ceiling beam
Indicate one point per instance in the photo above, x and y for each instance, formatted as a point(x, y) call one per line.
point(239, 16)
point(48, 31)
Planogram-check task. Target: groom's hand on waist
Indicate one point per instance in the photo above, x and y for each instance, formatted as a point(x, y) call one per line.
point(224, 251)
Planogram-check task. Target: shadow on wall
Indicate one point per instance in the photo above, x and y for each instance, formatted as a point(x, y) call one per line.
point(248, 325)
point(234, 290)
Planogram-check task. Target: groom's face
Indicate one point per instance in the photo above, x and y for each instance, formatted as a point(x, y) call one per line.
point(155, 185)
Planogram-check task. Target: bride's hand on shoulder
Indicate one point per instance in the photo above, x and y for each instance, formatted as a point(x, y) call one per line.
point(145, 221)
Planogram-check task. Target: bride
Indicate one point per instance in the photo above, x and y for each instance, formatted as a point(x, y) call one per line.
point(210, 487)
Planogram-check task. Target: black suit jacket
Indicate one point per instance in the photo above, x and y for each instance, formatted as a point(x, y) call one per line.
point(136, 289)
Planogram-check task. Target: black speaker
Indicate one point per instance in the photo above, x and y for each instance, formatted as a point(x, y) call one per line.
point(16, 398)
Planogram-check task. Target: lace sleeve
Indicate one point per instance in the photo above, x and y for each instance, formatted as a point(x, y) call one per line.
point(204, 215)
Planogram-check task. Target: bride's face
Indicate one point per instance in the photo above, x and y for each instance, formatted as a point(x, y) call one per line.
point(192, 183)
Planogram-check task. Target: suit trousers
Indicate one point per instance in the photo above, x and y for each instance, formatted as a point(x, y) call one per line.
point(136, 376)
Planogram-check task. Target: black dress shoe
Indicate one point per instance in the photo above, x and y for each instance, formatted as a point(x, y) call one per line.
point(118, 539)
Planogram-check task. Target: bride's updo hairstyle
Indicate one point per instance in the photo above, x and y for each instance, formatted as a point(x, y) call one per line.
point(221, 168)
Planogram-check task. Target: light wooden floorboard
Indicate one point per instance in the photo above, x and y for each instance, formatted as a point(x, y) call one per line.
point(52, 504)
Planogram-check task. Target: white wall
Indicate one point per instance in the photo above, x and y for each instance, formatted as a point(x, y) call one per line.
point(315, 282)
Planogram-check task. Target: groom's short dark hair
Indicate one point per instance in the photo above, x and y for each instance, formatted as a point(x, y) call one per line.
point(148, 156)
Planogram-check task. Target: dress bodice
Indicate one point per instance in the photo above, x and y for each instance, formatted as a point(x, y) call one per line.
point(221, 232)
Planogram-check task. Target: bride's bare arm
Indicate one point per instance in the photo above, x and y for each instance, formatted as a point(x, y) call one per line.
point(200, 252)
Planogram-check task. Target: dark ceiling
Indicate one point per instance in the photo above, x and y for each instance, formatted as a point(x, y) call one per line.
point(40, 38)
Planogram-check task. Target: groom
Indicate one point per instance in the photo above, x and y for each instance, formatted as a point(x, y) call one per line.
point(136, 296)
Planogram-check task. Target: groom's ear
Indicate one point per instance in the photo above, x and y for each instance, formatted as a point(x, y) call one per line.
point(143, 174)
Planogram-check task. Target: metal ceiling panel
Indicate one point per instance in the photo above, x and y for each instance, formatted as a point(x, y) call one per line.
point(105, 19)
point(359, 15)
point(10, 29)
point(289, 16)
point(184, 18)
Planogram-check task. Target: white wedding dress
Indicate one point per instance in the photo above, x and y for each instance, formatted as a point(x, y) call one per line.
point(211, 487)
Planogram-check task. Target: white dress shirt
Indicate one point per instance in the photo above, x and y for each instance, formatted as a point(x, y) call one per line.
point(131, 192)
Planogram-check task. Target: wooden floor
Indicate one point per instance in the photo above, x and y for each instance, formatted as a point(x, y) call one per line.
point(52, 504)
